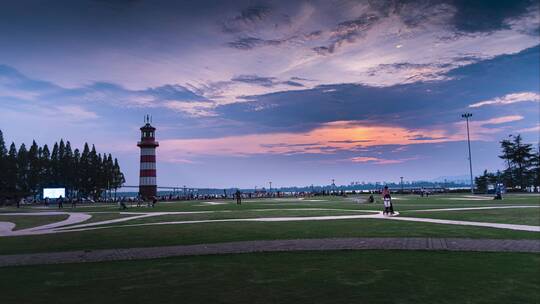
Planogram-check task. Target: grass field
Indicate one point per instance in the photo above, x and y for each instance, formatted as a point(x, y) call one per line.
point(372, 276)
point(23, 222)
point(117, 236)
point(302, 277)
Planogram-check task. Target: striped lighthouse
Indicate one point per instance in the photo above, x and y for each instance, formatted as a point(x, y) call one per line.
point(147, 176)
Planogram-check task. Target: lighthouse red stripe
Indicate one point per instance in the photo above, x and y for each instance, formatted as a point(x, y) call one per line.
point(148, 173)
point(148, 158)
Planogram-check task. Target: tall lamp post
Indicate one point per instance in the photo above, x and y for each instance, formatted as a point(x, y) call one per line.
point(467, 116)
point(401, 184)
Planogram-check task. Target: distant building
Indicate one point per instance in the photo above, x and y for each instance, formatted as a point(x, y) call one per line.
point(147, 176)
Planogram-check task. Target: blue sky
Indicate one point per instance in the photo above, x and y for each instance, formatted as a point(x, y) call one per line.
point(294, 92)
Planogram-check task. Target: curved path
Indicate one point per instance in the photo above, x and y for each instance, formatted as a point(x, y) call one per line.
point(440, 244)
point(75, 220)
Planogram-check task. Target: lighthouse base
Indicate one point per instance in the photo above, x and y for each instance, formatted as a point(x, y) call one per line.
point(147, 192)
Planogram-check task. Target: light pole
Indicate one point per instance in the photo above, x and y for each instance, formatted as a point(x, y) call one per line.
point(270, 186)
point(401, 184)
point(333, 186)
point(467, 116)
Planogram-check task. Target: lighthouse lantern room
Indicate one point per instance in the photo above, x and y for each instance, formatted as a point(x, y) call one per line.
point(147, 176)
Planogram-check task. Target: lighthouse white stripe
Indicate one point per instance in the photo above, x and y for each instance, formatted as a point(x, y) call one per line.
point(148, 166)
point(147, 181)
point(148, 151)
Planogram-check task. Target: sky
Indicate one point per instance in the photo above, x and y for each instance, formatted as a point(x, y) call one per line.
point(293, 92)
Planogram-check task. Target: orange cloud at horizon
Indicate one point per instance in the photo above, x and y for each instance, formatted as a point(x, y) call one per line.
point(329, 138)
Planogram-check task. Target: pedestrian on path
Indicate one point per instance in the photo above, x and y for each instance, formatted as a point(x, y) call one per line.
point(387, 200)
point(238, 195)
point(60, 202)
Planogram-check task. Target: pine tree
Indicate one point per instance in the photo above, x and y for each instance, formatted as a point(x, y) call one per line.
point(118, 179)
point(11, 172)
point(45, 165)
point(67, 167)
point(23, 171)
point(522, 159)
point(55, 165)
point(3, 162)
point(26, 172)
point(85, 171)
point(34, 168)
point(76, 171)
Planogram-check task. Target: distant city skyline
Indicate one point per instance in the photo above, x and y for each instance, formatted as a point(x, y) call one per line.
point(298, 93)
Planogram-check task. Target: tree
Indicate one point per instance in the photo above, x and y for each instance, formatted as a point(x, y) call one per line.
point(55, 165)
point(11, 172)
point(45, 166)
point(534, 176)
point(484, 180)
point(3, 162)
point(518, 157)
point(34, 168)
point(118, 176)
point(23, 171)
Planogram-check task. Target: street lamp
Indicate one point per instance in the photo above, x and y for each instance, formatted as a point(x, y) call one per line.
point(467, 116)
point(401, 184)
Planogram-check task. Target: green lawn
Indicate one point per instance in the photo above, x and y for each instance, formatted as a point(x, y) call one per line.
point(523, 216)
point(300, 277)
point(243, 214)
point(23, 221)
point(163, 235)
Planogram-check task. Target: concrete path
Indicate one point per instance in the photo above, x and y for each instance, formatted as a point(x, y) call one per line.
point(468, 223)
point(75, 218)
point(440, 244)
point(473, 208)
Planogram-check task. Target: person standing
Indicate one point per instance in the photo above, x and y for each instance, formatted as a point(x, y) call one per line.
point(60, 202)
point(238, 195)
point(387, 200)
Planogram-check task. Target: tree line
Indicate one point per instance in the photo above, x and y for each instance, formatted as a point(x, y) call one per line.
point(26, 171)
point(522, 166)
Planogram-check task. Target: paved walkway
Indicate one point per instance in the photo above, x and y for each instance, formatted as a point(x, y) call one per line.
point(70, 224)
point(444, 244)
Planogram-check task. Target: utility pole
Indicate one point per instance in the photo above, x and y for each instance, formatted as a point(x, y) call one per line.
point(401, 184)
point(467, 116)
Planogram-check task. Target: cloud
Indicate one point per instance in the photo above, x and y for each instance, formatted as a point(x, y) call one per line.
point(192, 108)
point(509, 99)
point(248, 43)
point(501, 120)
point(264, 81)
point(75, 112)
point(531, 129)
point(328, 138)
point(379, 161)
point(247, 17)
point(347, 31)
